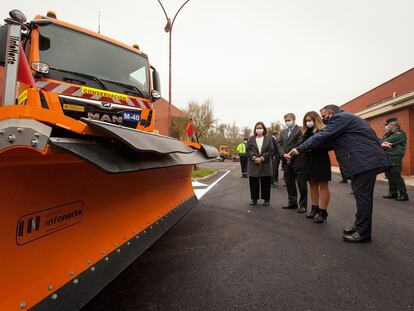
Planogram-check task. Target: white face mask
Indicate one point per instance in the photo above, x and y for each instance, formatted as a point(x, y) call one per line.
point(310, 124)
point(259, 132)
point(289, 124)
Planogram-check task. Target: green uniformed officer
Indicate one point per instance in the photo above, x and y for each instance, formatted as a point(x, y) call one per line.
point(394, 142)
point(242, 151)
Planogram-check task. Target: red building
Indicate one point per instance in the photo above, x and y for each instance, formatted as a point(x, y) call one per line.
point(161, 115)
point(394, 98)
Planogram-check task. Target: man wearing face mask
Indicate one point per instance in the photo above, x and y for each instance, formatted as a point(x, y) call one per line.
point(361, 158)
point(290, 138)
point(394, 142)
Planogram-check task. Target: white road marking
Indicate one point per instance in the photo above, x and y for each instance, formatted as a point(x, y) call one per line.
point(201, 192)
point(198, 184)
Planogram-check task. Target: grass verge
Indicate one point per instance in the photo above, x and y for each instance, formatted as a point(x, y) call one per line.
point(202, 172)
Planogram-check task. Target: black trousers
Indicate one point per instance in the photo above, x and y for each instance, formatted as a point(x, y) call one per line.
point(260, 185)
point(243, 163)
point(395, 182)
point(343, 176)
point(293, 176)
point(363, 187)
point(275, 167)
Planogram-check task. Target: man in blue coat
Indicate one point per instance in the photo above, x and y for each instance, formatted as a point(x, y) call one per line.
point(360, 157)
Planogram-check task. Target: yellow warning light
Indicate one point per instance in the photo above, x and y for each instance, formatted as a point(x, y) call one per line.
point(51, 14)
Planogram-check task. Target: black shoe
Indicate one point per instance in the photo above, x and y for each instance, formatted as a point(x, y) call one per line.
point(321, 217)
point(343, 181)
point(302, 210)
point(390, 196)
point(349, 230)
point(294, 206)
point(402, 197)
point(244, 176)
point(357, 238)
point(266, 203)
point(313, 212)
point(253, 202)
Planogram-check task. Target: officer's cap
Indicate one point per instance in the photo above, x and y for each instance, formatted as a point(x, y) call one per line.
point(390, 120)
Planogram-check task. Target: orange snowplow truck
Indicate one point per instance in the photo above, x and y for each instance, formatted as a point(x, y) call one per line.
point(86, 186)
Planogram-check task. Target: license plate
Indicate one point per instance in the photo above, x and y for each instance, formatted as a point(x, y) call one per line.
point(130, 116)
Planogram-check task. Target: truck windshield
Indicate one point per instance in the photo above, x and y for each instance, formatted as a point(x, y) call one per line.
point(73, 51)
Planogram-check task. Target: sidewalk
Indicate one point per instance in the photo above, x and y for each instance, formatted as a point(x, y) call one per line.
point(409, 180)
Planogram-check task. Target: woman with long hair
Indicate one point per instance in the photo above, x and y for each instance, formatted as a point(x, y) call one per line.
point(317, 169)
point(259, 166)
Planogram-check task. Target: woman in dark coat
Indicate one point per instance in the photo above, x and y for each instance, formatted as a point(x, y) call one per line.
point(259, 166)
point(317, 169)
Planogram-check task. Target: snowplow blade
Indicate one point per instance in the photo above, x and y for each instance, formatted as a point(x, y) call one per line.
point(71, 222)
point(68, 228)
point(118, 158)
point(139, 140)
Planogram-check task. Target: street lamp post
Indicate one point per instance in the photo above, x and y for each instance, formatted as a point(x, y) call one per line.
point(168, 28)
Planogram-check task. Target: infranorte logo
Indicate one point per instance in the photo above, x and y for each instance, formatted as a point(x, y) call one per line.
point(36, 225)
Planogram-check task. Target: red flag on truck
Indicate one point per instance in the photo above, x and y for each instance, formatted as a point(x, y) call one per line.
point(24, 73)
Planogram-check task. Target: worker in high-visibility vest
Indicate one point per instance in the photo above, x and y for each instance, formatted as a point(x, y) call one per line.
point(242, 151)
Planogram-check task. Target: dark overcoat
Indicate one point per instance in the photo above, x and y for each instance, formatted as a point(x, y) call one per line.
point(356, 145)
point(264, 169)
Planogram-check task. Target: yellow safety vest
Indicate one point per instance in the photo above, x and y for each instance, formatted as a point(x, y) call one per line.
point(241, 148)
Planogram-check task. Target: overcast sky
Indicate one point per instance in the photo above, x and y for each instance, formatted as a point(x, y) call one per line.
point(257, 59)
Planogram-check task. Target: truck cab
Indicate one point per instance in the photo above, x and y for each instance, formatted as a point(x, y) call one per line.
point(82, 74)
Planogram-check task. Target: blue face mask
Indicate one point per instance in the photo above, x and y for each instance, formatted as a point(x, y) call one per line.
point(289, 124)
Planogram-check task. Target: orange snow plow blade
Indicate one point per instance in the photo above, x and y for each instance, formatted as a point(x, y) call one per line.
point(68, 228)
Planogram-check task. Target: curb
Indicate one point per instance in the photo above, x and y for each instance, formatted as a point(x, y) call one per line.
point(382, 180)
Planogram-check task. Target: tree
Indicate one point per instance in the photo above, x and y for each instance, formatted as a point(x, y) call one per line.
point(275, 127)
point(233, 131)
point(178, 125)
point(246, 132)
point(202, 115)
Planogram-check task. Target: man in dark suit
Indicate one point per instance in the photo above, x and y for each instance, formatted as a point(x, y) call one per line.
point(361, 158)
point(290, 138)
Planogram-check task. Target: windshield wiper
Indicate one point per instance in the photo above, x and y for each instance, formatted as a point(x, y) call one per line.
point(128, 86)
point(83, 75)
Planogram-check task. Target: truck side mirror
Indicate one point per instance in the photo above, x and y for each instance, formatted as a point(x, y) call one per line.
point(156, 85)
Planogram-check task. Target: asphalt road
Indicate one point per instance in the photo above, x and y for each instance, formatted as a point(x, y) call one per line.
point(226, 255)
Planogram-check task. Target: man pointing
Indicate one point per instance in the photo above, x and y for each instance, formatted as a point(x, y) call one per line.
point(360, 157)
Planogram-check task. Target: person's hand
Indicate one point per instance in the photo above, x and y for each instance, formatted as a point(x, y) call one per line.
point(258, 160)
point(287, 157)
point(386, 145)
point(294, 152)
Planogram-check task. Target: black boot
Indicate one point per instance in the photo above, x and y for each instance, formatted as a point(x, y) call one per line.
point(314, 211)
point(321, 217)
